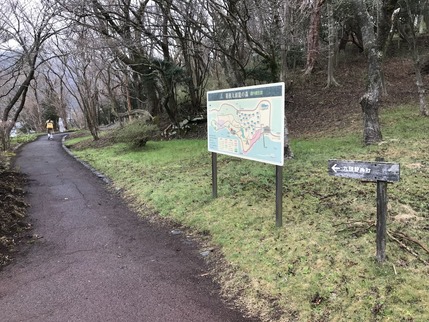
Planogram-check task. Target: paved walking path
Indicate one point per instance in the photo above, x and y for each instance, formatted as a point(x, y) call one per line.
point(95, 259)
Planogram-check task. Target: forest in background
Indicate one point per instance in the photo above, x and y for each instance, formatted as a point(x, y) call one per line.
point(96, 62)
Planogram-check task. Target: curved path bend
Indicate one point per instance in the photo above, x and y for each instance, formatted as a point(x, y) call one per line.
point(95, 260)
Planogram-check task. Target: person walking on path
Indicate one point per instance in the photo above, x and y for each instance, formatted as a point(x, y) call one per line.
point(93, 259)
point(50, 129)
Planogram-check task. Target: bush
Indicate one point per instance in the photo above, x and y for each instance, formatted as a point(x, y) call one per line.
point(137, 133)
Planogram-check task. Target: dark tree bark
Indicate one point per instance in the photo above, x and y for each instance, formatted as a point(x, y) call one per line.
point(385, 22)
point(331, 81)
point(313, 46)
point(383, 30)
point(374, 47)
point(370, 101)
point(411, 38)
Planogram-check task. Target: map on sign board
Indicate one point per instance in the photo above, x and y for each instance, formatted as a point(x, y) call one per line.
point(247, 122)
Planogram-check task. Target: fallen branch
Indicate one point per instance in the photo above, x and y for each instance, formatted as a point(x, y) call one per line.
point(360, 223)
point(411, 239)
point(357, 228)
point(408, 249)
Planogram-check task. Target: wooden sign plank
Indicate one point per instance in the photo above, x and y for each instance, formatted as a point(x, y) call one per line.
point(364, 170)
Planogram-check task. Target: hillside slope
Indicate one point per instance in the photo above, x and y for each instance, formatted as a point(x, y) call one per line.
point(311, 108)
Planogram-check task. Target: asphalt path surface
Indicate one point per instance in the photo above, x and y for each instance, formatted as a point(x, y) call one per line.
point(95, 260)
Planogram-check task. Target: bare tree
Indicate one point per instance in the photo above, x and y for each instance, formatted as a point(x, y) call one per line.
point(116, 86)
point(313, 46)
point(49, 97)
point(374, 46)
point(188, 35)
point(81, 75)
point(370, 102)
point(249, 34)
point(138, 34)
point(26, 32)
point(228, 40)
point(331, 81)
point(409, 16)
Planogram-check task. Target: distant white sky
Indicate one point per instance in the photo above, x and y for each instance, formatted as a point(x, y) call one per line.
point(10, 45)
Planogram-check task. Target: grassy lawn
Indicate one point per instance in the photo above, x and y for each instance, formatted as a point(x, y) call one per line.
point(320, 265)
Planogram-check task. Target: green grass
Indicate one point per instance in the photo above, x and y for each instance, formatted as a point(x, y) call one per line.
point(23, 138)
point(320, 265)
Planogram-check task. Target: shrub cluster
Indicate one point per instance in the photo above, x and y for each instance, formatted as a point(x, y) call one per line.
point(136, 133)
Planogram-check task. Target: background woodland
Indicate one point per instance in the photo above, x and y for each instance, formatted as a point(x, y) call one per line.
point(92, 63)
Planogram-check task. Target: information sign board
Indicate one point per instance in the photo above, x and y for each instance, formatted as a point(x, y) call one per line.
point(364, 170)
point(247, 122)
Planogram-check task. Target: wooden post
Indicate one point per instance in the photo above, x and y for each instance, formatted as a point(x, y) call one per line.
point(380, 172)
point(381, 219)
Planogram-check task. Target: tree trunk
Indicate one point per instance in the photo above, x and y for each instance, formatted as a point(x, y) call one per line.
point(287, 150)
point(421, 90)
point(234, 75)
point(385, 14)
point(370, 102)
point(5, 129)
point(128, 97)
point(412, 42)
point(313, 36)
point(91, 116)
point(331, 39)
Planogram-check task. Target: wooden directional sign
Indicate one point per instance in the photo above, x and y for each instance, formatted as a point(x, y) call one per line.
point(364, 170)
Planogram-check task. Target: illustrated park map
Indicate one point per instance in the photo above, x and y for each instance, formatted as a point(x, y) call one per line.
point(247, 122)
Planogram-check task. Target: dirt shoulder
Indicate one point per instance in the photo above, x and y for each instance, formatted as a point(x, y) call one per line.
point(14, 226)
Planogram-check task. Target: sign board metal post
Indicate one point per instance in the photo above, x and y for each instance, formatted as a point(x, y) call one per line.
point(279, 195)
point(380, 172)
point(214, 175)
